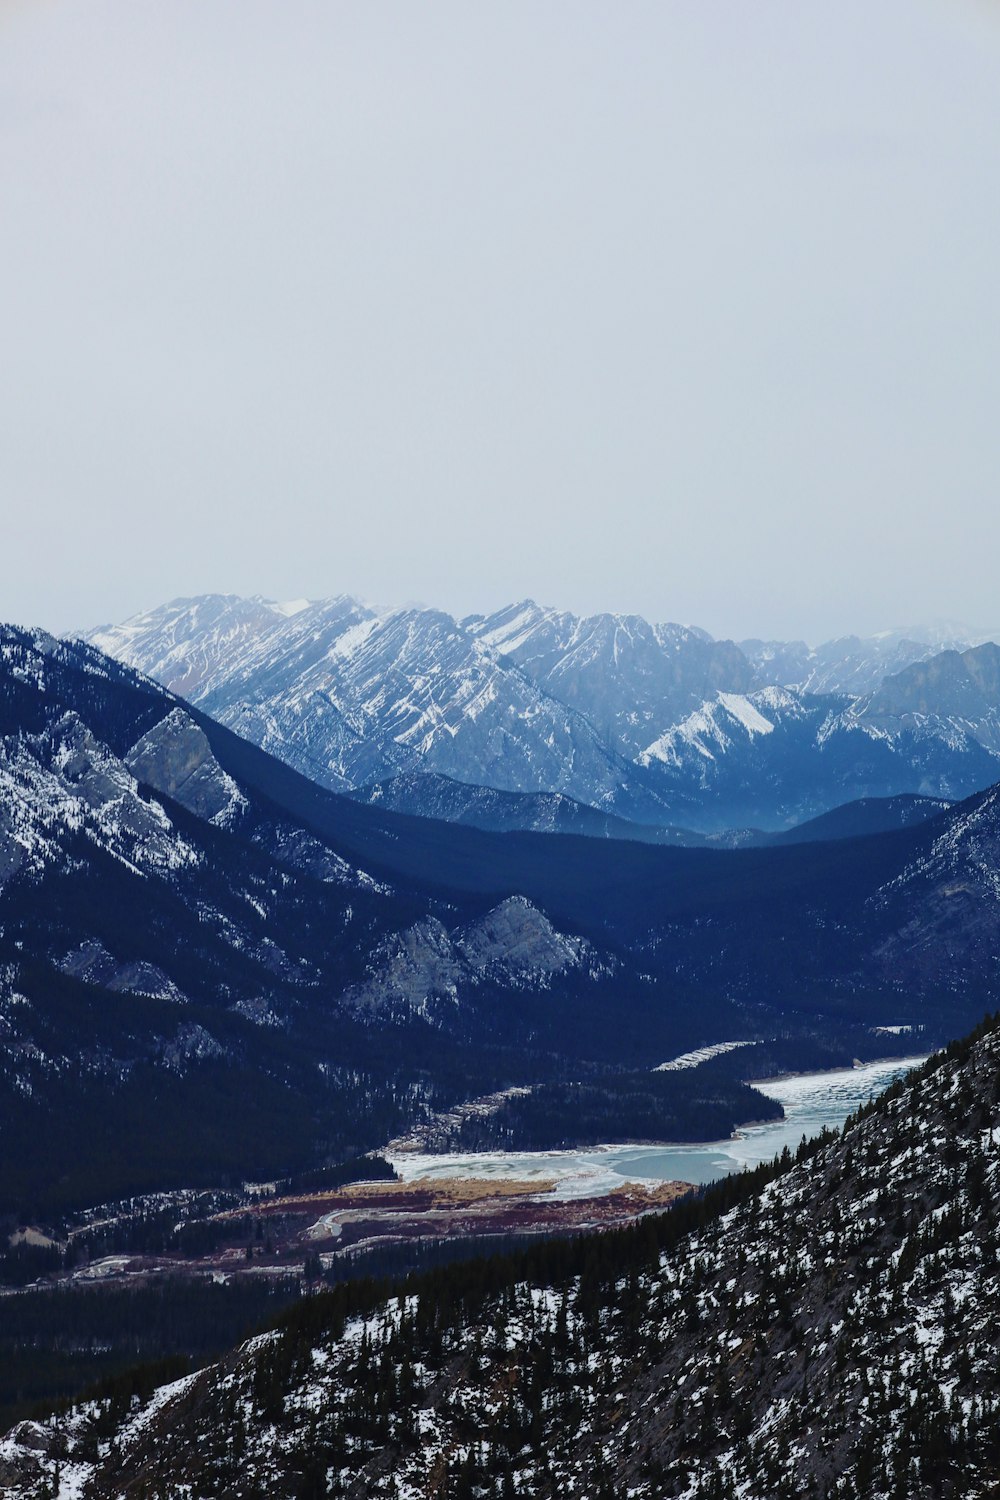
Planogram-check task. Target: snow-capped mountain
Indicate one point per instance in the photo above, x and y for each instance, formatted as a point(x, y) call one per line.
point(656, 724)
point(628, 677)
point(350, 697)
point(772, 756)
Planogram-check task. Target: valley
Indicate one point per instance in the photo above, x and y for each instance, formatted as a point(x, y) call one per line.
point(226, 990)
point(785, 1330)
point(499, 752)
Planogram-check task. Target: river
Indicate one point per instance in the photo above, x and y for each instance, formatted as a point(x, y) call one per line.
point(810, 1101)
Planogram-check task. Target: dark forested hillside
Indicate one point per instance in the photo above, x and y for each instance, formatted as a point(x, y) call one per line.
point(824, 1328)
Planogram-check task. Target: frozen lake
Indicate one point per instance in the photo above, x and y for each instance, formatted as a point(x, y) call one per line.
point(810, 1101)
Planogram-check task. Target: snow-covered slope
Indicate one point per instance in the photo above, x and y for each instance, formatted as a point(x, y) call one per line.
point(629, 677)
point(350, 697)
point(772, 758)
point(826, 1330)
point(62, 788)
point(658, 724)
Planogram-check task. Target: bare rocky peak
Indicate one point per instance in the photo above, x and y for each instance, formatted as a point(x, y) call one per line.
point(962, 686)
point(427, 963)
point(520, 937)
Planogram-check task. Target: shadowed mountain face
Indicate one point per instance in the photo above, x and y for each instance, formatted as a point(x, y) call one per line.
point(651, 724)
point(960, 687)
point(824, 1328)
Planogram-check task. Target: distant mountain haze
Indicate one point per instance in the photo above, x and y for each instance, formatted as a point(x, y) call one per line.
point(655, 724)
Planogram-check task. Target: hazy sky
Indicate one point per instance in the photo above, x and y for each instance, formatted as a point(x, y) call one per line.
point(689, 307)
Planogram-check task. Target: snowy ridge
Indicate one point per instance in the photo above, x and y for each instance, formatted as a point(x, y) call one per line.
point(654, 723)
point(715, 728)
point(700, 1055)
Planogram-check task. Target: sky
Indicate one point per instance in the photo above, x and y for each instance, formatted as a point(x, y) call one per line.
point(687, 308)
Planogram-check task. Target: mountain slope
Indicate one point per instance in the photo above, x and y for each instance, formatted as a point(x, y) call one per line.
point(774, 757)
point(960, 690)
point(656, 724)
point(186, 922)
point(866, 816)
point(172, 940)
point(426, 795)
point(825, 1329)
point(628, 677)
point(350, 696)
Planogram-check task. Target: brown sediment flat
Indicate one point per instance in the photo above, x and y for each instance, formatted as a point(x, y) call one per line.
point(276, 1236)
point(379, 1219)
point(421, 1194)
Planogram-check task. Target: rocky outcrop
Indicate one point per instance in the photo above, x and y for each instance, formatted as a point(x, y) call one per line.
point(176, 759)
point(418, 969)
point(94, 964)
point(519, 938)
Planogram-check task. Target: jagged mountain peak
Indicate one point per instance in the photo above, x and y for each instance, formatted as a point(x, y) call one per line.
point(350, 695)
point(657, 724)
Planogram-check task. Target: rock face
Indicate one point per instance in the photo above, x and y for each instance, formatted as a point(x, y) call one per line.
point(61, 781)
point(519, 938)
point(960, 689)
point(426, 965)
point(175, 758)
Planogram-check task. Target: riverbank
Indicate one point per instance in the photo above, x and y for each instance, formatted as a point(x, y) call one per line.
point(811, 1101)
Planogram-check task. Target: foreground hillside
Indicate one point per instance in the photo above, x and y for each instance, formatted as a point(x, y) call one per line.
point(827, 1333)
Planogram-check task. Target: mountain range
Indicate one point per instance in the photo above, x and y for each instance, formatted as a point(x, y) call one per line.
point(540, 714)
point(216, 971)
point(209, 964)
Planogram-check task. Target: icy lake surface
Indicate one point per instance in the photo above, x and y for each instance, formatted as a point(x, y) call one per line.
point(810, 1101)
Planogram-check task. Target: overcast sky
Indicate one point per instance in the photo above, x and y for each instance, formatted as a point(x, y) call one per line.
point(689, 308)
